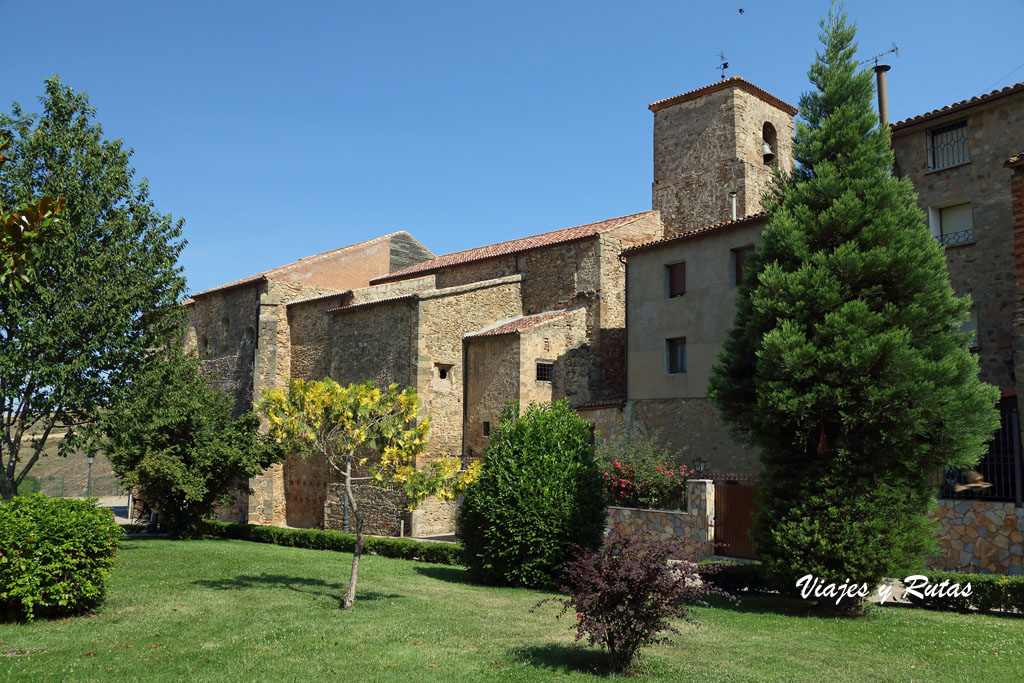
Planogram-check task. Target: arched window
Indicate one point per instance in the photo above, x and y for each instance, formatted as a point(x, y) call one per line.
point(769, 144)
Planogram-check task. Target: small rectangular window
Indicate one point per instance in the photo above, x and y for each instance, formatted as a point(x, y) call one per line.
point(545, 372)
point(675, 351)
point(739, 263)
point(487, 428)
point(947, 145)
point(676, 274)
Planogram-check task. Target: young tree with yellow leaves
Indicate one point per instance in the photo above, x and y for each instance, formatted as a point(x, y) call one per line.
point(326, 419)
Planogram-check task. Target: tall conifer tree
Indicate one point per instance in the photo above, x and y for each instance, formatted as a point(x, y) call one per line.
point(846, 363)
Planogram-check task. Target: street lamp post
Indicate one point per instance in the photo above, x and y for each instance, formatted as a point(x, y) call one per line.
point(88, 486)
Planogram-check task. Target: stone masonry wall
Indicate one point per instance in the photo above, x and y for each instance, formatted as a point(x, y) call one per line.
point(692, 428)
point(751, 113)
point(382, 510)
point(706, 147)
point(563, 342)
point(985, 267)
point(222, 325)
point(611, 312)
point(696, 524)
point(492, 381)
point(980, 536)
point(445, 317)
point(375, 342)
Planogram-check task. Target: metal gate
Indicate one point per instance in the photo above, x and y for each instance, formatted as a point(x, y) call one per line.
point(734, 517)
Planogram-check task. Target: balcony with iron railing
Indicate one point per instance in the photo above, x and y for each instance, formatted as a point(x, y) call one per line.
point(952, 239)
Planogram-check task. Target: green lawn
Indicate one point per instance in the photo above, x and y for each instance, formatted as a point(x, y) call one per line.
point(222, 610)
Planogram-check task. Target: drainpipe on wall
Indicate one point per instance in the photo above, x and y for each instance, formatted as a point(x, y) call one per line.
point(732, 198)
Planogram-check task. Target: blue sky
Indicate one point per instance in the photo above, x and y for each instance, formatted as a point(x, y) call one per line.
point(280, 130)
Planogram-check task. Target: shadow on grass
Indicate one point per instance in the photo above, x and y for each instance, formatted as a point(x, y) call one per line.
point(318, 587)
point(449, 574)
point(760, 603)
point(563, 659)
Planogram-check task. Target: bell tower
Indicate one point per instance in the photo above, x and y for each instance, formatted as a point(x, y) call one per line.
point(724, 138)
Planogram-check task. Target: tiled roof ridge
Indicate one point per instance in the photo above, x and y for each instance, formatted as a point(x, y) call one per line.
point(722, 85)
point(606, 403)
point(319, 298)
point(374, 302)
point(304, 260)
point(689, 234)
point(959, 106)
point(508, 247)
point(521, 323)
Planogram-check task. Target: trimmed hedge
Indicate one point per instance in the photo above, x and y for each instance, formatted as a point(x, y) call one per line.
point(55, 555)
point(316, 539)
point(989, 592)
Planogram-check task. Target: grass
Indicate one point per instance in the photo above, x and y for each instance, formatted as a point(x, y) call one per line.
point(217, 610)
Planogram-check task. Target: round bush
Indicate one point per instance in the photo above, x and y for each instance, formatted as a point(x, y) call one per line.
point(55, 554)
point(540, 492)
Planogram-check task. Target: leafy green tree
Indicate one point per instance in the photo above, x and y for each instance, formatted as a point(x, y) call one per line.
point(105, 289)
point(173, 436)
point(846, 364)
point(540, 494)
point(324, 419)
point(22, 231)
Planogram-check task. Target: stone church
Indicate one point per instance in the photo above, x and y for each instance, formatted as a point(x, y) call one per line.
point(532, 319)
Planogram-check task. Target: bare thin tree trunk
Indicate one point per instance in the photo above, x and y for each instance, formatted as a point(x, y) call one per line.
point(350, 597)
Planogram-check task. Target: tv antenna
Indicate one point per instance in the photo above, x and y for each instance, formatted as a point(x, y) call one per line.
point(893, 50)
point(724, 63)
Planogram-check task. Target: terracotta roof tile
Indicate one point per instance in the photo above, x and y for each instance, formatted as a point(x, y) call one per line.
point(732, 81)
point(511, 247)
point(364, 304)
point(520, 324)
point(959, 106)
point(1016, 160)
point(698, 232)
point(322, 297)
point(280, 269)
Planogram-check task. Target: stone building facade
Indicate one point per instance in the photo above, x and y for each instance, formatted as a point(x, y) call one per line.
point(467, 330)
point(241, 330)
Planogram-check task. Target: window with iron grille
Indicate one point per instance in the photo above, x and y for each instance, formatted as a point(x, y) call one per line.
point(545, 372)
point(999, 475)
point(676, 279)
point(952, 224)
point(675, 353)
point(947, 145)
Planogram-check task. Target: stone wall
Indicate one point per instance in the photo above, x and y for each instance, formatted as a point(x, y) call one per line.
point(984, 268)
point(492, 381)
point(562, 341)
point(606, 417)
point(376, 342)
point(692, 428)
point(432, 517)
point(696, 525)
point(708, 146)
point(382, 510)
point(444, 318)
point(222, 326)
point(980, 536)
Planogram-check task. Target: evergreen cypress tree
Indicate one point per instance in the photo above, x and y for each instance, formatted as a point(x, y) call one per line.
point(846, 364)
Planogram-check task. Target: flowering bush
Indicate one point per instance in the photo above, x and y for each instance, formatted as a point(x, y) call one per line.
point(639, 470)
point(625, 594)
point(656, 485)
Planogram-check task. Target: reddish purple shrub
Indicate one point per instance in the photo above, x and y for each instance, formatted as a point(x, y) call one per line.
point(625, 594)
